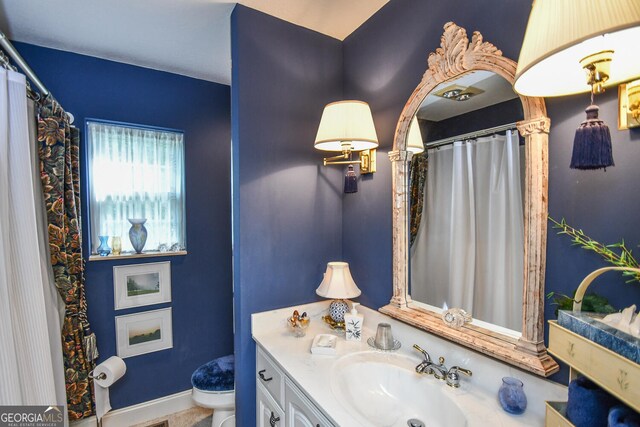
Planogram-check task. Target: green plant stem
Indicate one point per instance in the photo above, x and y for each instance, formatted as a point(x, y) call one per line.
point(624, 259)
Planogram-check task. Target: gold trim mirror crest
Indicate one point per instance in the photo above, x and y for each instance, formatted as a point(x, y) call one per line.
point(455, 56)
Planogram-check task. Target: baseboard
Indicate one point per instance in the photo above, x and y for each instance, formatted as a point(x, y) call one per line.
point(141, 412)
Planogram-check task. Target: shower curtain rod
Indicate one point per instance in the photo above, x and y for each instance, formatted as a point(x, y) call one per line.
point(470, 135)
point(20, 62)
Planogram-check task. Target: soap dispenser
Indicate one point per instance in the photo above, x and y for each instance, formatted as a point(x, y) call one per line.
point(353, 324)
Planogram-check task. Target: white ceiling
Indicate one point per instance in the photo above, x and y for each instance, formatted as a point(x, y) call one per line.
point(495, 90)
point(188, 37)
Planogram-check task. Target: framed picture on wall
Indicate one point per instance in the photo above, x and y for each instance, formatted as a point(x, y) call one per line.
point(141, 284)
point(144, 332)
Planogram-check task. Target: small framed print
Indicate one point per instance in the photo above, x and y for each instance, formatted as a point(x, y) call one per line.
point(141, 284)
point(144, 332)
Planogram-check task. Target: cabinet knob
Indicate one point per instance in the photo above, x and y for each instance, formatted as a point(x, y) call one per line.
point(261, 375)
point(273, 420)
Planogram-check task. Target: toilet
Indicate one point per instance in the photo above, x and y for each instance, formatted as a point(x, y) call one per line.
point(213, 387)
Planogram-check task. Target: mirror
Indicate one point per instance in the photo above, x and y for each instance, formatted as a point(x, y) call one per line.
point(471, 69)
point(466, 201)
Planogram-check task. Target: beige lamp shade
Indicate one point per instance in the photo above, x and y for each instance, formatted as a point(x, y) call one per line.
point(562, 32)
point(414, 138)
point(337, 282)
point(346, 124)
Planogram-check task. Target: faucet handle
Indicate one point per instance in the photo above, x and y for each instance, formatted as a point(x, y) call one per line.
point(467, 372)
point(427, 358)
point(453, 377)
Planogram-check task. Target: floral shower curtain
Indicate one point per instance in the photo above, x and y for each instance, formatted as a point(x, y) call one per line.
point(418, 176)
point(60, 175)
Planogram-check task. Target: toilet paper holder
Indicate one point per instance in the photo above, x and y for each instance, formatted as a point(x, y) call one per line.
point(100, 376)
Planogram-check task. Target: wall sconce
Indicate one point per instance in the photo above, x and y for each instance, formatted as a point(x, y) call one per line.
point(347, 126)
point(629, 105)
point(338, 285)
point(566, 39)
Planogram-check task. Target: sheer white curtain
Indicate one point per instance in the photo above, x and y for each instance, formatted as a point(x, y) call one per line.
point(31, 366)
point(469, 249)
point(136, 173)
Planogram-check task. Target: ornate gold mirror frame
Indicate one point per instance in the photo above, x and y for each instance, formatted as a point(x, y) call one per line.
point(457, 56)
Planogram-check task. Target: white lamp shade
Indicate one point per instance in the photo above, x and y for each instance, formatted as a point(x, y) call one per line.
point(562, 32)
point(337, 282)
point(346, 122)
point(414, 138)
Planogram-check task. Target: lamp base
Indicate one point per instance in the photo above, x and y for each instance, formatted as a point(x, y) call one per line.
point(332, 323)
point(337, 309)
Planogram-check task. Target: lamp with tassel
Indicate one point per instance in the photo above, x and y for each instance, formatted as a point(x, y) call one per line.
point(566, 38)
point(347, 126)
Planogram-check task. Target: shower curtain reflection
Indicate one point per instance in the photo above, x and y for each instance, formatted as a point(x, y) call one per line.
point(469, 248)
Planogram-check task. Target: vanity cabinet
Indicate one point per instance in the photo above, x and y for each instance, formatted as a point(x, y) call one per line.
point(279, 402)
point(300, 412)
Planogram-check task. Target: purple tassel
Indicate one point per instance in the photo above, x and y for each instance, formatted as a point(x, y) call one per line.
point(350, 181)
point(592, 143)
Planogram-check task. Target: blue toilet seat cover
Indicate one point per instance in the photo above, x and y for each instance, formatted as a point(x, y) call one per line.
point(217, 375)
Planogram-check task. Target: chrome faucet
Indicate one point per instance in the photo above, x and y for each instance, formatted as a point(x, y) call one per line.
point(453, 375)
point(439, 370)
point(422, 367)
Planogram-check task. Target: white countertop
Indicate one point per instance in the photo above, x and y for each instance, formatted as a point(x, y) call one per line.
point(476, 397)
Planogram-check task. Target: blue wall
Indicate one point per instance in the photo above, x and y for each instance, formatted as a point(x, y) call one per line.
point(201, 281)
point(287, 212)
point(384, 61)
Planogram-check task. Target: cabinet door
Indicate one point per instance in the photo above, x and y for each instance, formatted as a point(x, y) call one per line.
point(268, 413)
point(299, 410)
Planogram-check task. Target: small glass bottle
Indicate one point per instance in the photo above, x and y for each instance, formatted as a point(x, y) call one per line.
point(511, 396)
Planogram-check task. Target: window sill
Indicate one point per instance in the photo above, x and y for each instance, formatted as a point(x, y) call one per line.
point(150, 254)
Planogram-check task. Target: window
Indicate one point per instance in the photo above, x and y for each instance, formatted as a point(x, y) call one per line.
point(136, 172)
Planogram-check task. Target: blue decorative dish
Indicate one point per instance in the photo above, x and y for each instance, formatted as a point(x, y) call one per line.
point(587, 325)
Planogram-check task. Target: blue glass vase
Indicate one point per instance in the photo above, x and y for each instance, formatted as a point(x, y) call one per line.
point(104, 249)
point(511, 396)
point(138, 234)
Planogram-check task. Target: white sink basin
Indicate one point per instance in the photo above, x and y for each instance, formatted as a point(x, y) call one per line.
point(383, 389)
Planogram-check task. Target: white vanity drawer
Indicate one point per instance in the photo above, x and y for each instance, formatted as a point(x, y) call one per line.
point(270, 376)
point(300, 411)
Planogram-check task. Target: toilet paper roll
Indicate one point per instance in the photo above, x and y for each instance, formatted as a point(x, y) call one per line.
point(104, 375)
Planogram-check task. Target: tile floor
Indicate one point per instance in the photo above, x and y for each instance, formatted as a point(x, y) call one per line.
point(194, 417)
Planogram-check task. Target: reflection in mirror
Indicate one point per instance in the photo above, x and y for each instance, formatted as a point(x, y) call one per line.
point(415, 143)
point(467, 221)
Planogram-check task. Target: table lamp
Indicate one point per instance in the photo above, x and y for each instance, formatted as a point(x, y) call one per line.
point(338, 285)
